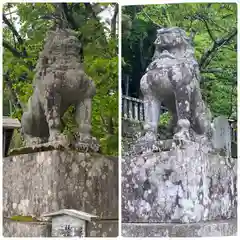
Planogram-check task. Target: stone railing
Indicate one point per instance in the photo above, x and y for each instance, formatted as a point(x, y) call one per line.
point(133, 110)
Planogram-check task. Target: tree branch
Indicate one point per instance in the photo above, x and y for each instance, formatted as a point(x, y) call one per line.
point(216, 46)
point(90, 10)
point(69, 17)
point(212, 70)
point(19, 38)
point(15, 100)
point(151, 19)
point(114, 21)
point(18, 54)
point(208, 29)
point(12, 28)
point(13, 50)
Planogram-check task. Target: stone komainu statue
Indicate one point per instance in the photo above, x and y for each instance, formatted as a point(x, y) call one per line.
point(172, 78)
point(59, 82)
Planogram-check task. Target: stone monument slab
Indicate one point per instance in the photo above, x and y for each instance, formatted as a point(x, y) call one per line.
point(222, 135)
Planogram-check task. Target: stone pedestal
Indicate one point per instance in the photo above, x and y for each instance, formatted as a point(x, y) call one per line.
point(102, 228)
point(95, 228)
point(26, 229)
point(202, 229)
point(187, 184)
point(43, 182)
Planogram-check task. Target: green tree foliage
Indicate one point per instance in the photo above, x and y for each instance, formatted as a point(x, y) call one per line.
point(25, 27)
point(213, 30)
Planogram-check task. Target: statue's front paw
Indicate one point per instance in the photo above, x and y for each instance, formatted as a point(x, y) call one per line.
point(32, 141)
point(148, 137)
point(181, 137)
point(58, 138)
point(183, 134)
point(87, 143)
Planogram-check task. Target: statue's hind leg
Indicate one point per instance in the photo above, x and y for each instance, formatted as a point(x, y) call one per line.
point(52, 104)
point(180, 77)
point(152, 108)
point(201, 114)
point(34, 126)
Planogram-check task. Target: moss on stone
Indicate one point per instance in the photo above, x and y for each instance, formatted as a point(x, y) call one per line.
point(24, 219)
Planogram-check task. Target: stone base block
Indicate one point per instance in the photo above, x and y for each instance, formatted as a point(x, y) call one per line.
point(102, 228)
point(96, 228)
point(44, 182)
point(206, 229)
point(26, 229)
point(186, 184)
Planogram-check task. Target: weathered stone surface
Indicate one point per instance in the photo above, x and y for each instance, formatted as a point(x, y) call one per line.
point(96, 228)
point(173, 78)
point(222, 135)
point(102, 228)
point(188, 184)
point(38, 183)
point(26, 229)
point(130, 128)
point(59, 83)
point(180, 177)
point(204, 229)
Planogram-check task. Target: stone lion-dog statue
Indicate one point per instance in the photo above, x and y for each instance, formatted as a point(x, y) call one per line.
point(59, 83)
point(173, 79)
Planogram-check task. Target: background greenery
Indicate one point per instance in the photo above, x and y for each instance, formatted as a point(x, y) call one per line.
point(213, 30)
point(25, 27)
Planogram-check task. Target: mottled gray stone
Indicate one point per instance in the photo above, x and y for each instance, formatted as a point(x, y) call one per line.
point(186, 184)
point(95, 228)
point(222, 135)
point(38, 183)
point(26, 229)
point(180, 178)
point(203, 229)
point(173, 78)
point(102, 228)
point(59, 83)
point(130, 128)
